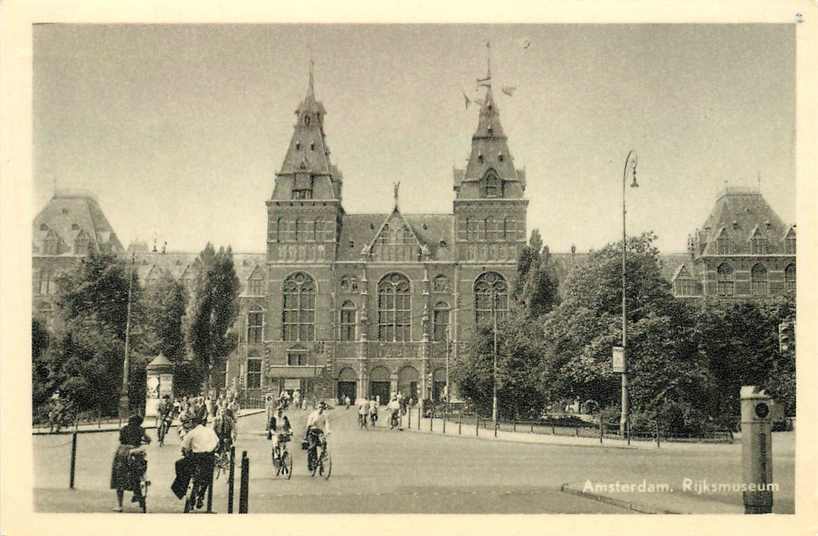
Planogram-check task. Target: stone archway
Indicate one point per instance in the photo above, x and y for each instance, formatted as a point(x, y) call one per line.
point(379, 384)
point(347, 384)
point(408, 378)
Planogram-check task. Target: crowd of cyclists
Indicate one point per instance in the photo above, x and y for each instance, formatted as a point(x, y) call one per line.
point(397, 406)
point(207, 428)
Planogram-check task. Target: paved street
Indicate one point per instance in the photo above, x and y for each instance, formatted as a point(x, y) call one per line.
point(394, 472)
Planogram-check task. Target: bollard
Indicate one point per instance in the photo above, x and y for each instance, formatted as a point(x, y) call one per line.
point(532, 427)
point(477, 428)
point(553, 429)
point(576, 431)
point(419, 416)
point(514, 425)
point(459, 423)
point(409, 415)
point(245, 482)
point(601, 432)
point(756, 450)
point(657, 431)
point(431, 421)
point(210, 491)
point(71, 471)
point(628, 430)
point(231, 479)
point(495, 428)
point(445, 415)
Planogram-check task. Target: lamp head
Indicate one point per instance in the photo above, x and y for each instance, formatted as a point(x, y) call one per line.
point(634, 184)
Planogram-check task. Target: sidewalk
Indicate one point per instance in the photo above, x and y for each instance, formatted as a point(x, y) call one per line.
point(115, 426)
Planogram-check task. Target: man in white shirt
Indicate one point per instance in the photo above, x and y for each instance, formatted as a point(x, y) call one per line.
point(198, 447)
point(394, 408)
point(317, 423)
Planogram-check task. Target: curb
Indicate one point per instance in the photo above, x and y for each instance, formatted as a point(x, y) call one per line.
point(621, 503)
point(521, 442)
point(116, 428)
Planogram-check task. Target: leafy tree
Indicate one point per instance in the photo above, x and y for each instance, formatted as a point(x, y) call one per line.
point(86, 352)
point(535, 287)
point(214, 309)
point(41, 387)
point(519, 357)
point(165, 306)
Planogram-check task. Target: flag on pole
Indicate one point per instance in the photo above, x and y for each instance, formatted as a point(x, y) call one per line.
point(509, 90)
point(467, 99)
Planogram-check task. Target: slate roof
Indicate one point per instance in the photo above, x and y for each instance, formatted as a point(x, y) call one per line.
point(68, 215)
point(489, 148)
point(359, 230)
point(737, 214)
point(177, 262)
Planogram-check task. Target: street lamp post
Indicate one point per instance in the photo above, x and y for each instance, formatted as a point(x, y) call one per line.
point(448, 342)
point(494, 373)
point(631, 160)
point(124, 402)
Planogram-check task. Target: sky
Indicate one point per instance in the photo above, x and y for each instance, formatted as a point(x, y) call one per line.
point(179, 129)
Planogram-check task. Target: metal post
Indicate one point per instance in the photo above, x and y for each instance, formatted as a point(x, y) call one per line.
point(657, 431)
point(494, 373)
point(210, 491)
point(72, 469)
point(623, 420)
point(553, 429)
point(445, 416)
point(601, 427)
point(124, 403)
point(245, 482)
point(231, 479)
point(495, 428)
point(431, 420)
point(419, 410)
point(409, 416)
point(460, 423)
point(514, 425)
point(477, 427)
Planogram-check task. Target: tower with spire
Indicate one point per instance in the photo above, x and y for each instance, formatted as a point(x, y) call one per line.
point(489, 206)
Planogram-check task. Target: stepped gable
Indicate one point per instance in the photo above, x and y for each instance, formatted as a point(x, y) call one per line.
point(71, 223)
point(738, 215)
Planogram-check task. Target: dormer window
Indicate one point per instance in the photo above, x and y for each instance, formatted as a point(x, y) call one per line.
point(759, 245)
point(298, 146)
point(351, 243)
point(789, 242)
point(43, 227)
point(306, 120)
point(65, 211)
point(75, 227)
point(723, 243)
point(443, 244)
point(302, 194)
point(480, 157)
point(312, 146)
point(491, 185)
point(500, 157)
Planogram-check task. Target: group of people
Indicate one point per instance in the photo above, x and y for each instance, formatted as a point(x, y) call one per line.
point(280, 429)
point(61, 412)
point(368, 410)
point(199, 444)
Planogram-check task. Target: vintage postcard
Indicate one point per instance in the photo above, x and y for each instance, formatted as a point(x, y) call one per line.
point(474, 273)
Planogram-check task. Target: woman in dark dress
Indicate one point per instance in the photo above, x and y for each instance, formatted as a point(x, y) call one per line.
point(123, 475)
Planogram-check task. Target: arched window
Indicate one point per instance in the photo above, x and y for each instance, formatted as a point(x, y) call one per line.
point(440, 321)
point(394, 308)
point(490, 296)
point(255, 284)
point(789, 277)
point(758, 245)
point(348, 321)
point(255, 325)
point(299, 308)
point(318, 230)
point(758, 280)
point(278, 230)
point(508, 228)
point(724, 280)
point(491, 185)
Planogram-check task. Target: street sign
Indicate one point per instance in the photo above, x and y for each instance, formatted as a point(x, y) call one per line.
point(619, 362)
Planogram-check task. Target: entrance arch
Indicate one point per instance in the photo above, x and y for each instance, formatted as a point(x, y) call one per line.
point(347, 384)
point(408, 378)
point(379, 385)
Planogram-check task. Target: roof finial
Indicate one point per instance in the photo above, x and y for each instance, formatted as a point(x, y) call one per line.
point(311, 88)
point(488, 59)
point(758, 180)
point(396, 186)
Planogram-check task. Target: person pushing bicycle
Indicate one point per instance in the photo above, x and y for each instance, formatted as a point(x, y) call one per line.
point(317, 424)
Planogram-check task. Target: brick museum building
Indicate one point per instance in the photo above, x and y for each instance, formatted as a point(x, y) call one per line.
point(365, 305)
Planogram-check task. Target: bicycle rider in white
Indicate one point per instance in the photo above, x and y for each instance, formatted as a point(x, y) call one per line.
point(279, 426)
point(317, 422)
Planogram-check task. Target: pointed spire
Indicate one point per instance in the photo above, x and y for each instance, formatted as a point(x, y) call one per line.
point(311, 83)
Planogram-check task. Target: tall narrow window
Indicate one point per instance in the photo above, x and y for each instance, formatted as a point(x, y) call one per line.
point(297, 359)
point(318, 231)
point(348, 321)
point(508, 228)
point(759, 245)
point(468, 228)
point(490, 297)
point(724, 280)
point(789, 277)
point(758, 280)
point(394, 313)
point(790, 242)
point(440, 321)
point(300, 231)
point(299, 308)
point(278, 229)
point(255, 285)
point(723, 243)
point(491, 185)
point(253, 373)
point(255, 325)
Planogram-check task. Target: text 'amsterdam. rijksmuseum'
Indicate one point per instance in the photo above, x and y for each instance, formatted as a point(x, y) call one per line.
point(363, 304)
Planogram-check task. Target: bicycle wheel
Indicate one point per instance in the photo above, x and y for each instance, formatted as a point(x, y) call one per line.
point(325, 465)
point(276, 464)
point(287, 462)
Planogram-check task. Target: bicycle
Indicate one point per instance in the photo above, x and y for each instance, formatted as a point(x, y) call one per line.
point(362, 422)
point(137, 462)
point(282, 460)
point(320, 464)
point(164, 428)
point(199, 483)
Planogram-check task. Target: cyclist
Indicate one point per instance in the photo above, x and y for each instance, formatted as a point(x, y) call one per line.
point(280, 426)
point(317, 423)
point(394, 409)
point(373, 412)
point(129, 461)
point(198, 449)
point(164, 416)
point(363, 412)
